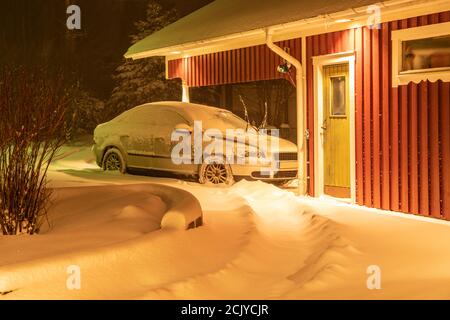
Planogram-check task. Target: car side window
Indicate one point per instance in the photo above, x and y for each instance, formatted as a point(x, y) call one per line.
point(156, 116)
point(139, 115)
point(168, 118)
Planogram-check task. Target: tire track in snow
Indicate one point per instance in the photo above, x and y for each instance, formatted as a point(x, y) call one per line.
point(286, 248)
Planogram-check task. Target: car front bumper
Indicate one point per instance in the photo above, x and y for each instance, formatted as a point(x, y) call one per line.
point(284, 170)
point(98, 154)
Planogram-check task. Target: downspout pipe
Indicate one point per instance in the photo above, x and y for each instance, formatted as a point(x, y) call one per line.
point(300, 108)
point(185, 92)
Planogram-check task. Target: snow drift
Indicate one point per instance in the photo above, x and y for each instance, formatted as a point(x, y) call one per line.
point(261, 243)
point(94, 224)
point(282, 246)
point(258, 241)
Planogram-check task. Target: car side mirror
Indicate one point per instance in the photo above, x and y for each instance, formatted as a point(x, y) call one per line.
point(184, 128)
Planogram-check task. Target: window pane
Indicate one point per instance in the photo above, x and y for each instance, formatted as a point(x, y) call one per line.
point(426, 53)
point(338, 96)
point(155, 116)
point(168, 118)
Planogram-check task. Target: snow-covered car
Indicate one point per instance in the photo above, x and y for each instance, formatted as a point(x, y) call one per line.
point(143, 138)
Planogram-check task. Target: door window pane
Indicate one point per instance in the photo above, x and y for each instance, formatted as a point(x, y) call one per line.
point(338, 98)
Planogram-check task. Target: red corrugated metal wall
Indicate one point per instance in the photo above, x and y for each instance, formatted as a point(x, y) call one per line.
point(234, 66)
point(402, 134)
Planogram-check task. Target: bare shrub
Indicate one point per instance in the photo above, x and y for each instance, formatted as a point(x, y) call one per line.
point(32, 128)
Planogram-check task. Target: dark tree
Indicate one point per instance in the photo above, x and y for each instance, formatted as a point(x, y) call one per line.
point(143, 80)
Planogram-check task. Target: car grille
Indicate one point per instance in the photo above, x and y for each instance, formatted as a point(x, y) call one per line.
point(277, 175)
point(286, 156)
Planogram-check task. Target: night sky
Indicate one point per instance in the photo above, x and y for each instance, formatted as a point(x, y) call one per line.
point(33, 32)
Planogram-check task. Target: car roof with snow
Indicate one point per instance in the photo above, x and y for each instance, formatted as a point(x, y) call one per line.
point(192, 111)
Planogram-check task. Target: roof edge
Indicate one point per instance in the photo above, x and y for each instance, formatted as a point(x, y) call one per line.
point(347, 19)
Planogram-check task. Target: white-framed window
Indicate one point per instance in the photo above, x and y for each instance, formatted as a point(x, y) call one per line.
point(421, 53)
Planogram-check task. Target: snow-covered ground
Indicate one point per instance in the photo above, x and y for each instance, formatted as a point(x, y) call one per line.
point(258, 242)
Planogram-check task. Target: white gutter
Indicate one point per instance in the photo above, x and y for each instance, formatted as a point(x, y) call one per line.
point(300, 109)
point(185, 97)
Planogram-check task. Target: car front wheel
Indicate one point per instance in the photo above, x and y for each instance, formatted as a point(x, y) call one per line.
point(113, 161)
point(216, 172)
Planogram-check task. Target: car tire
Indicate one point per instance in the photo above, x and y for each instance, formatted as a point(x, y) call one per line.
point(216, 171)
point(113, 161)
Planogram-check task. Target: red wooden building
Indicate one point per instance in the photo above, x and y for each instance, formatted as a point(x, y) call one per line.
point(372, 81)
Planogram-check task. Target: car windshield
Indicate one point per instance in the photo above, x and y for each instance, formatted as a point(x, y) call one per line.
point(223, 120)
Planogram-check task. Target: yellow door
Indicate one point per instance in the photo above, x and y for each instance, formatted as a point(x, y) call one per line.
point(336, 131)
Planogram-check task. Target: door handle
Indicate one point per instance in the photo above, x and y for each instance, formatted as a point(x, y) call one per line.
point(324, 125)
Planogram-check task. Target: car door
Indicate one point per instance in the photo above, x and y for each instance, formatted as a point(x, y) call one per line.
point(167, 120)
point(141, 129)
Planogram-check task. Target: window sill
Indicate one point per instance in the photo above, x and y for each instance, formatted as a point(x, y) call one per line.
point(416, 77)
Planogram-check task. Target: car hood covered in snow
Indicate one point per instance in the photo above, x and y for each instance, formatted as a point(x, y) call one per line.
point(273, 143)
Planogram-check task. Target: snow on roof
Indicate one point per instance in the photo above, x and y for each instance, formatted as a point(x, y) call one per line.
point(227, 17)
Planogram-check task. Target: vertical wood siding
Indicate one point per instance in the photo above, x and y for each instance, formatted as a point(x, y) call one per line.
point(402, 134)
point(234, 66)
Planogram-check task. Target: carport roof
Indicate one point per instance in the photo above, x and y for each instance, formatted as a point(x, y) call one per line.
point(230, 17)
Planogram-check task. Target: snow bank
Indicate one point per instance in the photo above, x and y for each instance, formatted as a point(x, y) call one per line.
point(94, 226)
point(258, 242)
point(184, 210)
point(283, 247)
